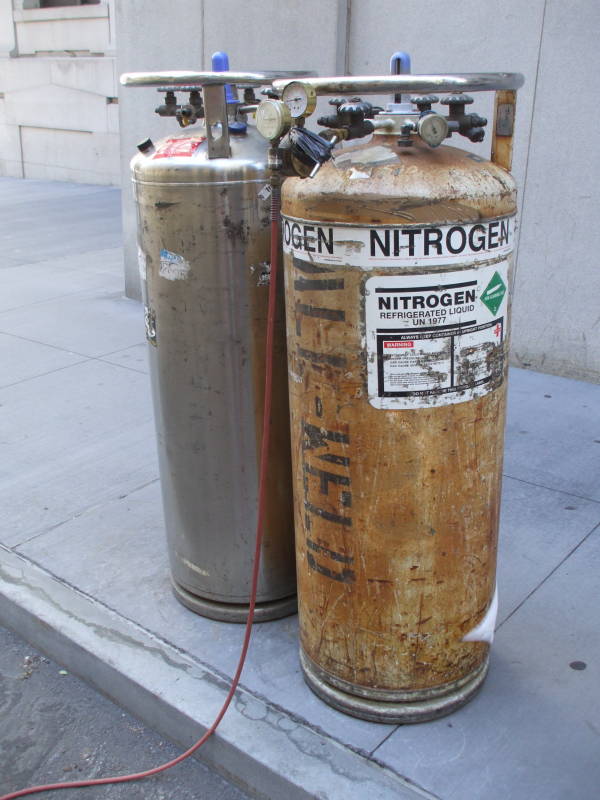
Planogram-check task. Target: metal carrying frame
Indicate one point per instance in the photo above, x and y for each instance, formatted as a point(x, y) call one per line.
point(504, 84)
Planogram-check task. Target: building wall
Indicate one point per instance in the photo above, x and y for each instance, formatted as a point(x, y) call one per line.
point(58, 96)
point(557, 299)
point(250, 32)
point(556, 316)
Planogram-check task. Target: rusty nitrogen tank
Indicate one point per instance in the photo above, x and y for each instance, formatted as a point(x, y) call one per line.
point(398, 261)
point(203, 228)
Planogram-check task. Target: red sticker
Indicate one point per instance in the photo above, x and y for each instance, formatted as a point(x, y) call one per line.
point(394, 345)
point(179, 148)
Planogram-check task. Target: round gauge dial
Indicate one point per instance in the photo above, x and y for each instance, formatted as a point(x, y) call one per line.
point(300, 98)
point(433, 129)
point(273, 119)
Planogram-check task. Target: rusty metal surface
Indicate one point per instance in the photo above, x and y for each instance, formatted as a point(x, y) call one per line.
point(396, 511)
point(412, 707)
point(408, 186)
point(504, 123)
point(204, 240)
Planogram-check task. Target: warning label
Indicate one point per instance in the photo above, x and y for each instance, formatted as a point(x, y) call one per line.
point(494, 293)
point(183, 147)
point(435, 339)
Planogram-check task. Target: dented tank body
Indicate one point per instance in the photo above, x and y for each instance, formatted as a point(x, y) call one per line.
point(397, 265)
point(203, 228)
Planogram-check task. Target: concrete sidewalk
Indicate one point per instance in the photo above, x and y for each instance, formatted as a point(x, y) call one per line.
point(84, 574)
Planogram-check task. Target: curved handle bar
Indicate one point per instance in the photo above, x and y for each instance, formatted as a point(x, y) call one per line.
point(413, 84)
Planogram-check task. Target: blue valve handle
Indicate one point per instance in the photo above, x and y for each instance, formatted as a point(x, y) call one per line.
point(399, 65)
point(220, 63)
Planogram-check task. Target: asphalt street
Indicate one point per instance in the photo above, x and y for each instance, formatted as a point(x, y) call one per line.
point(54, 727)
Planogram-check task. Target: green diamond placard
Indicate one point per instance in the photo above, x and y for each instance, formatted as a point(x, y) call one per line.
point(493, 294)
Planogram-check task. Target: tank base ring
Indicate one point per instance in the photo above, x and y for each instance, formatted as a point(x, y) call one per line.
point(235, 612)
point(393, 713)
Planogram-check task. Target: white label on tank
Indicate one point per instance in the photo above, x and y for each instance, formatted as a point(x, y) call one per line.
point(410, 245)
point(141, 262)
point(266, 192)
point(173, 267)
point(436, 338)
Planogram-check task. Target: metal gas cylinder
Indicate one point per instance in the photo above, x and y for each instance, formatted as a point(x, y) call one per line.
point(204, 252)
point(397, 266)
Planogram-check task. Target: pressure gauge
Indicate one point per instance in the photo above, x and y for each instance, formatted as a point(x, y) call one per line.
point(273, 119)
point(300, 98)
point(433, 129)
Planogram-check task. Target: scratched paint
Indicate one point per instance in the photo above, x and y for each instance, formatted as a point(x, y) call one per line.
point(207, 287)
point(396, 510)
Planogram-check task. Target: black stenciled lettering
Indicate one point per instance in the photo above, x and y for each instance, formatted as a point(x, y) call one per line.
point(345, 576)
point(308, 230)
point(325, 285)
point(308, 267)
point(296, 236)
point(504, 231)
point(493, 235)
point(325, 240)
point(384, 246)
point(433, 238)
point(456, 245)
point(346, 499)
point(326, 551)
point(331, 314)
point(315, 437)
point(477, 238)
point(325, 478)
point(328, 515)
point(332, 458)
point(411, 233)
point(322, 358)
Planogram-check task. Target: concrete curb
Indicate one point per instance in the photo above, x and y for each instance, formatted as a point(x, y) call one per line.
point(260, 747)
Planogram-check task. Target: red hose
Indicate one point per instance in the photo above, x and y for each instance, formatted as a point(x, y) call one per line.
point(262, 488)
